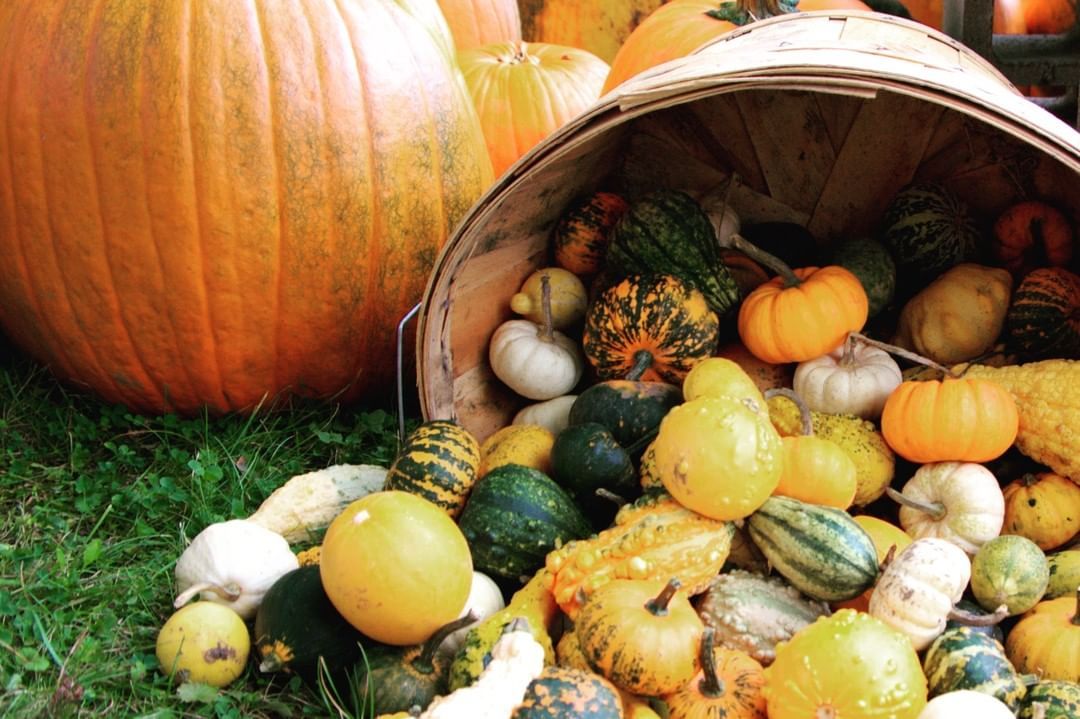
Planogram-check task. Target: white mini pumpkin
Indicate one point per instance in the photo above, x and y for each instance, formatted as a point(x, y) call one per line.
point(535, 362)
point(855, 378)
point(964, 703)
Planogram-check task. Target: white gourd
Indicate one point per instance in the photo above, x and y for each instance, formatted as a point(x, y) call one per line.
point(965, 703)
point(307, 503)
point(855, 378)
point(485, 598)
point(958, 501)
point(553, 414)
point(232, 563)
point(516, 659)
point(534, 363)
point(919, 588)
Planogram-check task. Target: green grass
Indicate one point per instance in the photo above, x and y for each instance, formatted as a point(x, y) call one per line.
point(98, 503)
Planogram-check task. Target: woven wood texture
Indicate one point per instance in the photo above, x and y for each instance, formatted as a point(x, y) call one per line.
point(818, 118)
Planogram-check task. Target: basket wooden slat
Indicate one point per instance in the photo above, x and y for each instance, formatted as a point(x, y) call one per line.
point(816, 118)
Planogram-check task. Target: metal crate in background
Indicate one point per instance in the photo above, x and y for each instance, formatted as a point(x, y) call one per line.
point(1047, 60)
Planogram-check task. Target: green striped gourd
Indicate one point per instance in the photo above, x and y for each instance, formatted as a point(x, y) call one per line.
point(928, 229)
point(870, 261)
point(515, 516)
point(964, 659)
point(1064, 573)
point(1059, 700)
point(668, 232)
point(753, 613)
point(1043, 319)
point(821, 551)
point(1010, 570)
point(438, 462)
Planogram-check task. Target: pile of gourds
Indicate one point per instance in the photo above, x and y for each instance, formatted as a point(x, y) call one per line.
point(732, 488)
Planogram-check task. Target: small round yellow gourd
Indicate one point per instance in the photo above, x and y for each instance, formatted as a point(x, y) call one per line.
point(525, 444)
point(204, 642)
point(568, 297)
point(722, 377)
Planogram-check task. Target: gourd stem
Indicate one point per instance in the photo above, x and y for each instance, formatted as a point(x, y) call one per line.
point(547, 330)
point(804, 411)
point(642, 441)
point(423, 662)
point(710, 684)
point(972, 619)
point(1029, 479)
point(906, 354)
point(188, 594)
point(643, 360)
point(767, 259)
point(1076, 616)
point(936, 510)
point(847, 359)
point(617, 499)
point(659, 605)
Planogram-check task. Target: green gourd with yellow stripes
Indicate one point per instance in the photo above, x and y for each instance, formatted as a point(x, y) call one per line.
point(438, 462)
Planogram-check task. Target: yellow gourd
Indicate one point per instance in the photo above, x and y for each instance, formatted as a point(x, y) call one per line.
point(526, 444)
point(958, 316)
point(568, 297)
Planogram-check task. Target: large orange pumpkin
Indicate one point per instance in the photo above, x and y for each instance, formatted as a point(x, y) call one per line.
point(481, 22)
point(1048, 16)
point(206, 203)
point(525, 91)
point(599, 26)
point(675, 30)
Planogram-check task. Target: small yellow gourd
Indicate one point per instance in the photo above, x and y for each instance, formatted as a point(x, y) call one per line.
point(568, 298)
point(526, 444)
point(958, 316)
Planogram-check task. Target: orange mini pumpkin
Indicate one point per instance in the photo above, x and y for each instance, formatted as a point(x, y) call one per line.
point(952, 419)
point(1032, 234)
point(802, 314)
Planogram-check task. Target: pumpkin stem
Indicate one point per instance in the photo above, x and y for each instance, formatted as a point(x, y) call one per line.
point(847, 359)
point(423, 663)
point(972, 619)
point(767, 259)
point(935, 509)
point(804, 411)
point(643, 360)
point(906, 354)
point(1030, 479)
point(617, 499)
point(659, 605)
point(710, 684)
point(188, 594)
point(547, 330)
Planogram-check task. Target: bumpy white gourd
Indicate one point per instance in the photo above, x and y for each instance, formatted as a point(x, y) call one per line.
point(233, 563)
point(516, 659)
point(919, 587)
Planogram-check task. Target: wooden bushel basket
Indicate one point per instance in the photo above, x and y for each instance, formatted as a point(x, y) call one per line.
point(820, 118)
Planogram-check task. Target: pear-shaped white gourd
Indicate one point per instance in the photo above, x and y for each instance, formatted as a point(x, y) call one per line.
point(232, 563)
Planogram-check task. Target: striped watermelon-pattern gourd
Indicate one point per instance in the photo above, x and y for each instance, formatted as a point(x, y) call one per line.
point(515, 516)
point(438, 462)
point(668, 232)
point(650, 328)
point(821, 551)
point(962, 658)
point(1059, 700)
point(928, 229)
point(1043, 319)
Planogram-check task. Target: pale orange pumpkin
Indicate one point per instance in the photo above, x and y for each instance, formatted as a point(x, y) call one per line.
point(481, 22)
point(965, 419)
point(525, 91)
point(215, 203)
point(396, 567)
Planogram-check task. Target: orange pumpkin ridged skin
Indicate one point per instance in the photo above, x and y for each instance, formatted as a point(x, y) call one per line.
point(209, 204)
point(1044, 507)
point(733, 691)
point(481, 22)
point(638, 649)
point(1046, 640)
point(660, 317)
point(523, 92)
point(846, 666)
point(963, 420)
point(780, 323)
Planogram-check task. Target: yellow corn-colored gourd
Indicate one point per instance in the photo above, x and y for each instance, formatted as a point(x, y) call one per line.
point(526, 444)
point(568, 297)
point(1047, 396)
point(654, 538)
point(958, 316)
point(875, 462)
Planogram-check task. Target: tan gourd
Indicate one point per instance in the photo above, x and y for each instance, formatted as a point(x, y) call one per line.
point(568, 298)
point(958, 316)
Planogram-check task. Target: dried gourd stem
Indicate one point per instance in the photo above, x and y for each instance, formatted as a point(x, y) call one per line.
point(805, 416)
point(517, 624)
point(642, 361)
point(643, 441)
point(972, 619)
point(1075, 621)
point(710, 685)
point(547, 330)
point(658, 606)
point(188, 594)
point(425, 662)
point(617, 499)
point(935, 509)
point(906, 354)
point(847, 357)
point(767, 259)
